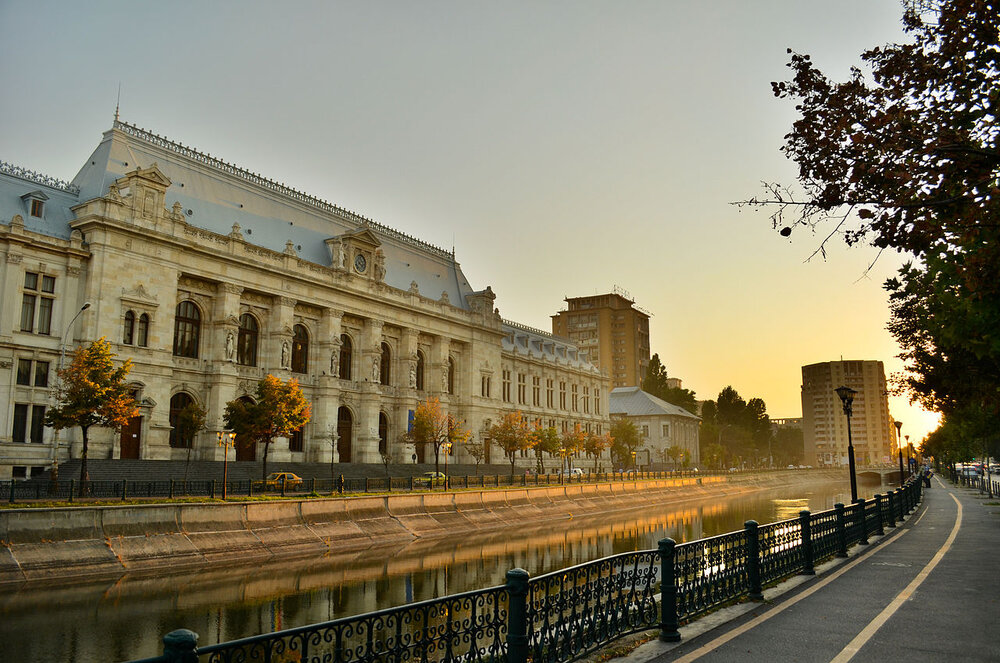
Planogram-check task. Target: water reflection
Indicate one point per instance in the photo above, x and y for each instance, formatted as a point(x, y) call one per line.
point(127, 618)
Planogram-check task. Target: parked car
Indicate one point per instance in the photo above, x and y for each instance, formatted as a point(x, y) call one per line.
point(275, 480)
point(574, 471)
point(430, 479)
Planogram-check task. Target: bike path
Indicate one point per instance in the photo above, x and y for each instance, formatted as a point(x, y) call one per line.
point(928, 590)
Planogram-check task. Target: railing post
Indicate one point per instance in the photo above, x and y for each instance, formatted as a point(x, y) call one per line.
point(124, 488)
point(805, 527)
point(890, 508)
point(180, 646)
point(171, 489)
point(861, 520)
point(841, 530)
point(212, 490)
point(312, 486)
point(753, 560)
point(340, 484)
point(878, 510)
point(668, 592)
point(900, 499)
point(72, 489)
point(517, 616)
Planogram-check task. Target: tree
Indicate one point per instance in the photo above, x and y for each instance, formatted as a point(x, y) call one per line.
point(788, 446)
point(571, 443)
point(92, 392)
point(544, 440)
point(908, 160)
point(625, 442)
point(279, 410)
point(675, 453)
point(511, 435)
point(655, 380)
point(655, 383)
point(477, 450)
point(595, 444)
point(190, 420)
point(431, 425)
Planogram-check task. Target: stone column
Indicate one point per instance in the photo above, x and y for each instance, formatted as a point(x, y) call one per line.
point(369, 399)
point(327, 392)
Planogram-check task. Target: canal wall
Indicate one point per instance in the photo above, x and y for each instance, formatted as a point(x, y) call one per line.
point(89, 542)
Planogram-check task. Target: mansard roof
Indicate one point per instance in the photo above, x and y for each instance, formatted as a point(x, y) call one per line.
point(18, 186)
point(634, 402)
point(214, 195)
point(537, 344)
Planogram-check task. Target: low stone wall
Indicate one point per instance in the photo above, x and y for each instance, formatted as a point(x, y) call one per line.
point(94, 541)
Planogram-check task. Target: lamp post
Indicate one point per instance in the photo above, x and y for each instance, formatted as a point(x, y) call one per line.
point(446, 447)
point(226, 440)
point(62, 358)
point(899, 446)
point(847, 397)
point(910, 460)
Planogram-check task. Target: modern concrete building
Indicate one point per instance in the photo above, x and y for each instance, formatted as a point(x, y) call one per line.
point(661, 426)
point(209, 277)
point(612, 330)
point(824, 425)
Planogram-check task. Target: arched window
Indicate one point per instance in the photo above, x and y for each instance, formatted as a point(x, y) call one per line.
point(179, 438)
point(345, 427)
point(142, 331)
point(451, 375)
point(187, 329)
point(246, 347)
point(127, 331)
point(384, 363)
point(383, 434)
point(420, 370)
point(300, 349)
point(345, 357)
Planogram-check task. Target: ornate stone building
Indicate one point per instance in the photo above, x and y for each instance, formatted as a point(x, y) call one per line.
point(209, 277)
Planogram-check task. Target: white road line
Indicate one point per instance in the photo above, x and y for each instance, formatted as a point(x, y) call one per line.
point(858, 642)
point(773, 612)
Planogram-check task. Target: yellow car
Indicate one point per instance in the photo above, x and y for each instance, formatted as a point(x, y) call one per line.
point(275, 480)
point(430, 479)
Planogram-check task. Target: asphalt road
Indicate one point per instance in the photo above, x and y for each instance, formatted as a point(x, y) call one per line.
point(929, 590)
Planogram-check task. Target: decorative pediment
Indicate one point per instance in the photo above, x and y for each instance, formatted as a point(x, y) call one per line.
point(357, 252)
point(139, 296)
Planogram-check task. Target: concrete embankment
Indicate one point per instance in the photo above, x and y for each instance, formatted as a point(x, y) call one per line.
point(94, 541)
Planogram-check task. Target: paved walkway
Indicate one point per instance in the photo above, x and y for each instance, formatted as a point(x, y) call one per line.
point(928, 590)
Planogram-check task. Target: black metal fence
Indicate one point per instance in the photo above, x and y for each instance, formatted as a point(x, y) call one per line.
point(562, 616)
point(69, 491)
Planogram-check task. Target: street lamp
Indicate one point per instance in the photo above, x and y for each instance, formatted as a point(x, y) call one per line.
point(847, 397)
point(899, 445)
point(62, 358)
point(447, 450)
point(226, 440)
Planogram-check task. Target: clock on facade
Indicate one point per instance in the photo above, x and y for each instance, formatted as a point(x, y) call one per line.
point(360, 263)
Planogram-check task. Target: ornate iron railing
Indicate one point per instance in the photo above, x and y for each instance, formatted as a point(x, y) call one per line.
point(577, 610)
point(565, 615)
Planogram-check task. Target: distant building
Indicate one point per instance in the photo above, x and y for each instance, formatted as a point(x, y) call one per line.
point(787, 422)
point(661, 425)
point(612, 330)
point(824, 425)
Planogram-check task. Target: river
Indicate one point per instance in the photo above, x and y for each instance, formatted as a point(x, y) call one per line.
point(126, 619)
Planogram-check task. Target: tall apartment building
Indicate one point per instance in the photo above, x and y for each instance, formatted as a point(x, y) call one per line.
point(612, 330)
point(824, 425)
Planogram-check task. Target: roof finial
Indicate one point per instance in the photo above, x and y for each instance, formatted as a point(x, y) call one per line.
point(119, 101)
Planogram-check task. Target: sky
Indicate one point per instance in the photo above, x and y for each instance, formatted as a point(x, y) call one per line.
point(562, 148)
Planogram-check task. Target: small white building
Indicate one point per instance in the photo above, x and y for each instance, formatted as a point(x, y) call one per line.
point(661, 425)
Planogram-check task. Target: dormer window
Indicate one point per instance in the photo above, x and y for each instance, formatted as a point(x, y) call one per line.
point(35, 203)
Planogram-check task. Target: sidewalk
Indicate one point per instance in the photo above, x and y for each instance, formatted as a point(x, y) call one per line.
point(928, 590)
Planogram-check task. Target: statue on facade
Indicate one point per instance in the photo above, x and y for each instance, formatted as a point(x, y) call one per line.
point(284, 354)
point(335, 362)
point(413, 376)
point(444, 379)
point(379, 265)
point(375, 369)
point(230, 345)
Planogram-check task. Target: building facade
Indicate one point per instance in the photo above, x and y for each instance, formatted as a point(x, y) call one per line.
point(612, 330)
point(661, 425)
point(209, 277)
point(824, 425)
